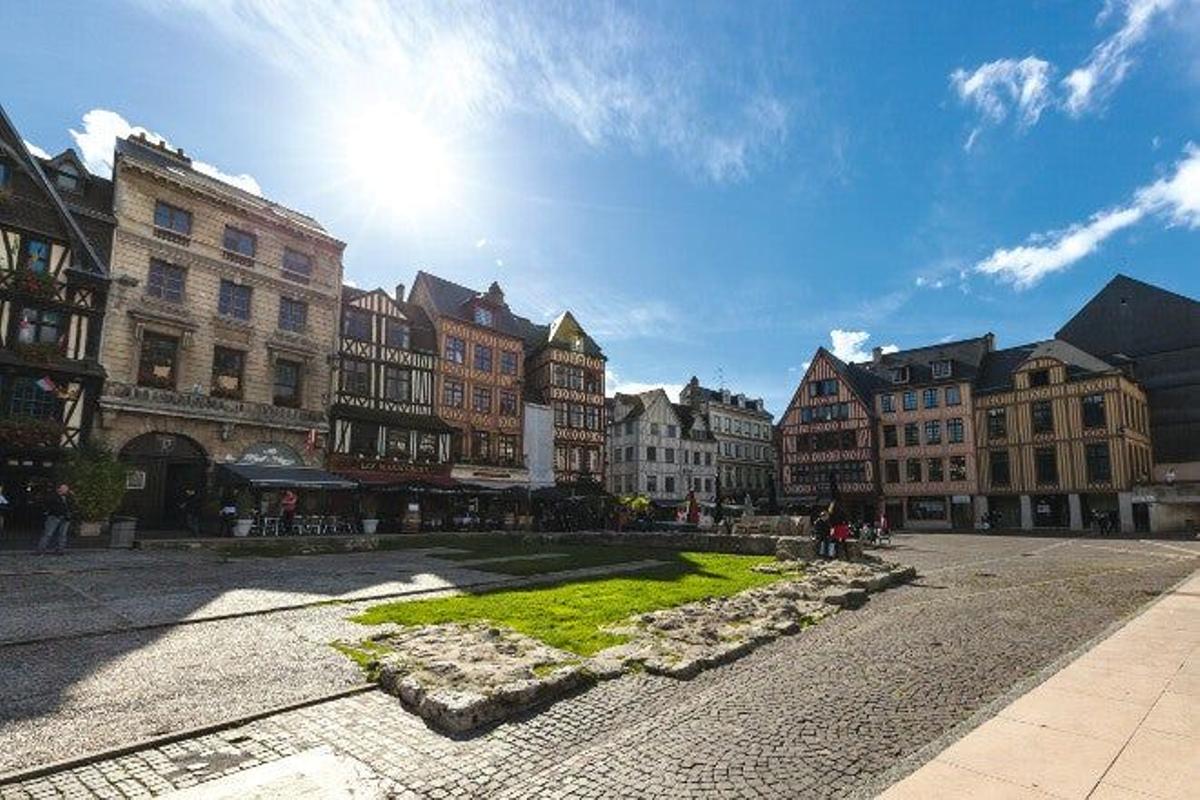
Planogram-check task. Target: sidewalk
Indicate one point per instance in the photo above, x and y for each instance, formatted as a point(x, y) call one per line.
point(1122, 722)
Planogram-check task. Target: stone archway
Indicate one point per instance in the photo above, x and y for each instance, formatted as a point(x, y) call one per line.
point(163, 466)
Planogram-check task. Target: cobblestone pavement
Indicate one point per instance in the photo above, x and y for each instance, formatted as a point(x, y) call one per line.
point(826, 713)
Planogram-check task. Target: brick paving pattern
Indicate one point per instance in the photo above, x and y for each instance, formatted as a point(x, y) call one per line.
point(825, 713)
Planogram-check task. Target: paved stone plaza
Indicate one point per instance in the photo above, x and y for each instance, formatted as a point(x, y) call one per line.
point(842, 709)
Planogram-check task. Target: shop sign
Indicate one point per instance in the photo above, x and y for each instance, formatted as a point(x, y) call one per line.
point(135, 479)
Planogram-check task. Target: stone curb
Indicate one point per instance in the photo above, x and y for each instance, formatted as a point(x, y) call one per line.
point(153, 742)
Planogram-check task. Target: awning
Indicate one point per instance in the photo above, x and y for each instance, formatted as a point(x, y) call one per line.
point(399, 481)
point(264, 477)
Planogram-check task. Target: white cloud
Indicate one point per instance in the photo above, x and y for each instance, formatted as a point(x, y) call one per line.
point(479, 243)
point(102, 128)
point(849, 345)
point(1175, 199)
point(613, 76)
point(1089, 85)
point(35, 150)
point(614, 384)
point(1007, 84)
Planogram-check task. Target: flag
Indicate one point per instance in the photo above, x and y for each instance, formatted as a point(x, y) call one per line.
point(46, 385)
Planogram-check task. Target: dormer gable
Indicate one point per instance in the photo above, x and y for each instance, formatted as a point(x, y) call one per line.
point(67, 172)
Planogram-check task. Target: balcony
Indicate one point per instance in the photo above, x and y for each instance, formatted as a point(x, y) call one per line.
point(129, 397)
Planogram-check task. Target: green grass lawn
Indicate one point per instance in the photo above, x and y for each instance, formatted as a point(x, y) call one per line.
point(569, 556)
point(569, 615)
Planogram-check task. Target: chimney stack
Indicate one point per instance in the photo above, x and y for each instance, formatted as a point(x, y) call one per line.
point(876, 355)
point(989, 341)
point(399, 292)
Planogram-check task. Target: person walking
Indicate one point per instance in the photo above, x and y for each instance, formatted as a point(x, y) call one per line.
point(287, 508)
point(59, 513)
point(189, 506)
point(3, 508)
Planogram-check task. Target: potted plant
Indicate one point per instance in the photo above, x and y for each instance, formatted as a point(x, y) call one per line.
point(245, 514)
point(370, 520)
point(97, 480)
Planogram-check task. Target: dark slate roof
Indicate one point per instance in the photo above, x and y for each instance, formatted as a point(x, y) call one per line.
point(637, 407)
point(862, 381)
point(1134, 319)
point(965, 355)
point(687, 419)
point(998, 367)
point(420, 328)
point(453, 300)
point(140, 149)
point(701, 393)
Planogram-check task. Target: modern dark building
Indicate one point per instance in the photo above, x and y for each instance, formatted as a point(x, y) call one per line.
point(56, 229)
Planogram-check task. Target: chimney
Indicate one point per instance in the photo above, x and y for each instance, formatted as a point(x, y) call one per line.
point(989, 341)
point(399, 292)
point(876, 355)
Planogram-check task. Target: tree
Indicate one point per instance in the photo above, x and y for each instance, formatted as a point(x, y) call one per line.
point(97, 479)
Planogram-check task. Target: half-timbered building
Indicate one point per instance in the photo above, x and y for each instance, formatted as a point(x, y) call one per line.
point(479, 384)
point(1062, 437)
point(385, 431)
point(827, 438)
point(564, 369)
point(55, 235)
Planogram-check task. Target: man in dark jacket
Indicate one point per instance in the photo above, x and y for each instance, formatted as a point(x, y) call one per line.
point(59, 512)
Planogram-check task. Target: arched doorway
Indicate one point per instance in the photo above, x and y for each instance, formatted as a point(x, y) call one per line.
point(163, 466)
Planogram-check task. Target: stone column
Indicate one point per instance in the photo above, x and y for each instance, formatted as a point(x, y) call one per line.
point(1076, 511)
point(1125, 511)
point(1026, 512)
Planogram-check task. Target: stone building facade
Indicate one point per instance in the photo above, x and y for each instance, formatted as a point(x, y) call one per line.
point(55, 234)
point(1061, 436)
point(744, 432)
point(660, 449)
point(220, 329)
point(926, 432)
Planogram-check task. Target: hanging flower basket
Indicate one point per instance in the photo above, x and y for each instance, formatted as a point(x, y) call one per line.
point(38, 284)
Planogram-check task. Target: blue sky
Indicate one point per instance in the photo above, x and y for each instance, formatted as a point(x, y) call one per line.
point(713, 188)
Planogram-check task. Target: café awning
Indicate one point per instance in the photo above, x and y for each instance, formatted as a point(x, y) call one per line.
point(260, 476)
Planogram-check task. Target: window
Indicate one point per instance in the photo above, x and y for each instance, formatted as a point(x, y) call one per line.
point(629, 428)
point(1093, 411)
point(293, 315)
point(296, 266)
point(1039, 377)
point(708, 459)
point(356, 377)
point(933, 432)
point(953, 396)
point(37, 255)
point(40, 326)
point(998, 462)
point(823, 388)
point(651, 454)
point(66, 178)
point(507, 446)
point(652, 483)
point(452, 394)
point(954, 430)
point(1099, 468)
point(669, 484)
point(172, 219)
point(1043, 416)
point(508, 403)
point(617, 455)
point(591, 418)
point(910, 401)
point(891, 471)
point(930, 398)
point(483, 358)
point(227, 369)
point(508, 362)
point(629, 453)
point(456, 350)
point(575, 410)
point(5, 173)
point(672, 431)
point(941, 369)
point(669, 455)
point(158, 360)
point(696, 458)
point(708, 485)
point(287, 383)
point(397, 384)
point(654, 429)
point(481, 400)
point(935, 470)
point(997, 423)
point(912, 468)
point(165, 281)
point(958, 468)
point(1045, 466)
point(887, 403)
point(239, 243)
point(912, 435)
point(398, 443)
point(395, 333)
point(481, 445)
point(234, 300)
point(364, 438)
point(29, 399)
point(931, 508)
point(483, 316)
point(356, 324)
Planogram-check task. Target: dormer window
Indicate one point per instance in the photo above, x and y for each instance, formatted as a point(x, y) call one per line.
point(67, 178)
point(942, 369)
point(1039, 377)
point(577, 345)
point(5, 173)
point(483, 316)
point(900, 375)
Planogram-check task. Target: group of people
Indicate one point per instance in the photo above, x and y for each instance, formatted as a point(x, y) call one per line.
point(832, 528)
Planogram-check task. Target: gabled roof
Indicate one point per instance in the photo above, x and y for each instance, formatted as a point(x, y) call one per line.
point(965, 356)
point(999, 366)
point(861, 381)
point(687, 423)
point(96, 195)
point(559, 333)
point(421, 333)
point(1133, 318)
point(87, 258)
point(454, 300)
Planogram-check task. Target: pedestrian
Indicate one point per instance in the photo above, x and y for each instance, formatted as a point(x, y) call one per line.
point(287, 508)
point(59, 513)
point(229, 514)
point(3, 508)
point(189, 506)
point(839, 528)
